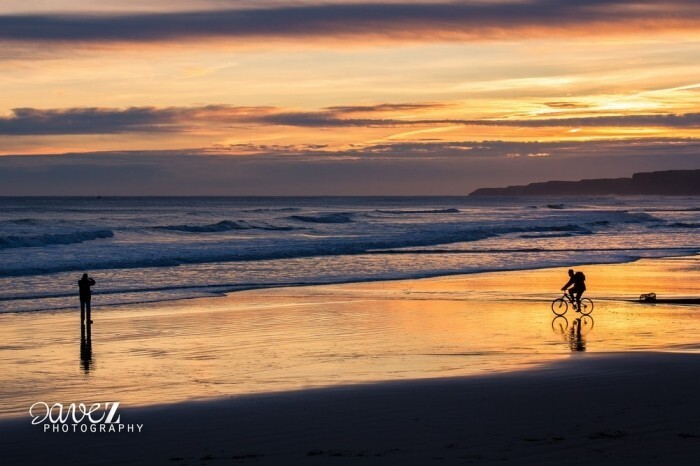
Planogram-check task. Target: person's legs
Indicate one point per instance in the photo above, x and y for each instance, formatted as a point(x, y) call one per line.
point(82, 311)
point(88, 316)
point(577, 296)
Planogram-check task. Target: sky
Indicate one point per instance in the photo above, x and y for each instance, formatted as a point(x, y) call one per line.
point(342, 97)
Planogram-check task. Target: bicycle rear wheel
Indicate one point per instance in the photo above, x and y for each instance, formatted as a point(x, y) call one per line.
point(586, 306)
point(559, 306)
point(560, 325)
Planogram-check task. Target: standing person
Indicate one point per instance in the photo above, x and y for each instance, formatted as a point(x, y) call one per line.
point(84, 285)
point(577, 282)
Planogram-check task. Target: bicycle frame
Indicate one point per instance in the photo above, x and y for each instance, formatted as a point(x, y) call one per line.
point(570, 300)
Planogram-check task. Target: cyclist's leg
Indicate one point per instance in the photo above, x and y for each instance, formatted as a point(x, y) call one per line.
point(578, 293)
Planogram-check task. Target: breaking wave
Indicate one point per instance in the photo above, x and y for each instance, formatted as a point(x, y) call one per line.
point(338, 217)
point(30, 241)
point(225, 225)
point(682, 225)
point(429, 211)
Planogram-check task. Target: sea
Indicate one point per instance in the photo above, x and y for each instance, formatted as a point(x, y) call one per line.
point(147, 249)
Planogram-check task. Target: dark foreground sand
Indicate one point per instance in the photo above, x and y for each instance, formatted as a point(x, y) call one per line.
point(633, 408)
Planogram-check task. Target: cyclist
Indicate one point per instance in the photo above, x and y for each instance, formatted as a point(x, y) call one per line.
point(577, 282)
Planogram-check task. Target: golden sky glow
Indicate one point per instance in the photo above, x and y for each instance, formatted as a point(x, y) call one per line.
point(338, 76)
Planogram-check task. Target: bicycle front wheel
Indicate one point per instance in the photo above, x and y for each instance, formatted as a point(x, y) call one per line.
point(586, 324)
point(586, 306)
point(559, 306)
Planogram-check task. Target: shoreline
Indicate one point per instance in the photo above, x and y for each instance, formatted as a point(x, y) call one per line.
point(247, 288)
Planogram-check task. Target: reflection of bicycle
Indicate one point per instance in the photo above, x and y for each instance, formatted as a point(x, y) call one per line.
point(575, 335)
point(561, 305)
point(560, 324)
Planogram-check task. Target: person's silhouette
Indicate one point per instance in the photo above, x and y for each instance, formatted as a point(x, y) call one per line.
point(577, 282)
point(84, 285)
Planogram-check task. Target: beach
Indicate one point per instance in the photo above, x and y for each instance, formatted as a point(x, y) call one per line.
point(349, 232)
point(464, 369)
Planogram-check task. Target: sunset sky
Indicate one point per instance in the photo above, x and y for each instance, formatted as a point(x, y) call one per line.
point(342, 96)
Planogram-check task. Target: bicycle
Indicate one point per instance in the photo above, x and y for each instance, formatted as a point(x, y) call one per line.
point(561, 305)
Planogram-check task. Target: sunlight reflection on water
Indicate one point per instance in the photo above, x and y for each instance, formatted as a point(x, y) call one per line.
point(290, 338)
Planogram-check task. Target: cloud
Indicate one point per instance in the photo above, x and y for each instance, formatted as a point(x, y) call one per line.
point(386, 107)
point(667, 120)
point(400, 169)
point(535, 149)
point(333, 119)
point(390, 20)
point(566, 105)
point(95, 120)
point(32, 121)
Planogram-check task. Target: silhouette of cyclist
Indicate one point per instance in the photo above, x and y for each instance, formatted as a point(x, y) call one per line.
point(577, 282)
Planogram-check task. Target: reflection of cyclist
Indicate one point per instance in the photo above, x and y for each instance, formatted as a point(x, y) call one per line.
point(577, 282)
point(576, 341)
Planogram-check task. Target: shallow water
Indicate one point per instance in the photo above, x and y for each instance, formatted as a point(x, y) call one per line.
point(290, 338)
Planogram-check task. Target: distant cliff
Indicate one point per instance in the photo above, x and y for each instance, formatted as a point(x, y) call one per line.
point(668, 183)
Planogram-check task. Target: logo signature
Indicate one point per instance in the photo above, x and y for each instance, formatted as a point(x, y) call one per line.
point(79, 417)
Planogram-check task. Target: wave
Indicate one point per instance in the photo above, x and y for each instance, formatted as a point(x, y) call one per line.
point(682, 225)
point(280, 209)
point(557, 231)
point(569, 227)
point(7, 242)
point(687, 209)
point(555, 206)
point(292, 248)
point(224, 253)
point(337, 217)
point(225, 225)
point(679, 250)
point(640, 217)
point(554, 235)
point(428, 211)
point(23, 221)
point(618, 216)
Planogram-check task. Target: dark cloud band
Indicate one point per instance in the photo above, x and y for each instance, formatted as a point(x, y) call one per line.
point(412, 21)
point(30, 121)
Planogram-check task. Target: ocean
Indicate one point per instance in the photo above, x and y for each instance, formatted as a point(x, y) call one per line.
point(155, 249)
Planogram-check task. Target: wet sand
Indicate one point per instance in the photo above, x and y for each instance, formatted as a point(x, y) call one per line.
point(638, 408)
point(508, 380)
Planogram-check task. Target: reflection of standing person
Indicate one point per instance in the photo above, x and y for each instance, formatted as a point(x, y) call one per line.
point(85, 348)
point(578, 280)
point(84, 285)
